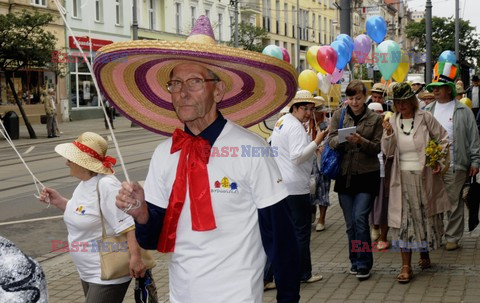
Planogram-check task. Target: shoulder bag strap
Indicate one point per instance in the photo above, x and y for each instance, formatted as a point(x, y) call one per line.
point(104, 233)
point(340, 124)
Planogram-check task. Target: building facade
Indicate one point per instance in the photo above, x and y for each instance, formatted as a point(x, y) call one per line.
point(30, 82)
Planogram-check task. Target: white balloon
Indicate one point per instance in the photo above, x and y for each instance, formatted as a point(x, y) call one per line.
point(324, 82)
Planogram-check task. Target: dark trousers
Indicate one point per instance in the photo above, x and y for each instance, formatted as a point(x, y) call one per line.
point(105, 293)
point(110, 113)
point(356, 208)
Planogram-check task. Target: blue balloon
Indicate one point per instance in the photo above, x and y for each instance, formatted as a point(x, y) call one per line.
point(349, 41)
point(273, 51)
point(341, 48)
point(448, 56)
point(376, 28)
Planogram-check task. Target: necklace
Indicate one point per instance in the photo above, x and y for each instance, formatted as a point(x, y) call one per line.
point(401, 126)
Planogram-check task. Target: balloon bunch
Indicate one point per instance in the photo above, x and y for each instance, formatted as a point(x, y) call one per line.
point(277, 52)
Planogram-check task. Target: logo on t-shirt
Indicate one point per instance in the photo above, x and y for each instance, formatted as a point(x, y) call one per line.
point(80, 210)
point(279, 124)
point(225, 186)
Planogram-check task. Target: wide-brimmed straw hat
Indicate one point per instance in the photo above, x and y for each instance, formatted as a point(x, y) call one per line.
point(305, 96)
point(444, 74)
point(133, 75)
point(88, 151)
point(425, 94)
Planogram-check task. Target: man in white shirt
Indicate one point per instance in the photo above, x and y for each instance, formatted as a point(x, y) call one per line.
point(213, 196)
point(459, 122)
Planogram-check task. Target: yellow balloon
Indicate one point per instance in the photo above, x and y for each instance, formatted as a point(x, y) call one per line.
point(308, 80)
point(467, 102)
point(312, 59)
point(402, 69)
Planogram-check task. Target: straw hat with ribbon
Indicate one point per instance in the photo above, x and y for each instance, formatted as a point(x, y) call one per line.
point(88, 151)
point(133, 75)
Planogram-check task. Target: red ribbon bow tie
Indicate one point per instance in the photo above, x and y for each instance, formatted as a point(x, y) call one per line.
point(192, 166)
point(107, 161)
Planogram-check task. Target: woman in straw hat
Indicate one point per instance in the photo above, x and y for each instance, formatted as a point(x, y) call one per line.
point(359, 178)
point(235, 214)
point(417, 192)
point(295, 159)
point(86, 157)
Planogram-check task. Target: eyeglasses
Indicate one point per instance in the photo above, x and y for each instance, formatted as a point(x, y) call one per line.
point(193, 84)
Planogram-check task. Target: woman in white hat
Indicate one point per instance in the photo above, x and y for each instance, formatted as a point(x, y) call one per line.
point(88, 162)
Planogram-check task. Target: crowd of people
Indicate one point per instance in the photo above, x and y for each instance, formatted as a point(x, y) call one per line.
point(233, 232)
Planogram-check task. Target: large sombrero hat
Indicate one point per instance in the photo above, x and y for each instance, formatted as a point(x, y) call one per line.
point(133, 75)
point(88, 151)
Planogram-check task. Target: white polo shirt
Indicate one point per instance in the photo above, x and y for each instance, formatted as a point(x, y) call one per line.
point(290, 138)
point(225, 264)
point(82, 218)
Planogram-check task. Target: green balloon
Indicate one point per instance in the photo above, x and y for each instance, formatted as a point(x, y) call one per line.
point(389, 57)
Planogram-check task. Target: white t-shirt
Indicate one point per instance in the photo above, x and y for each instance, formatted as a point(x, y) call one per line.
point(290, 138)
point(444, 114)
point(82, 218)
point(225, 264)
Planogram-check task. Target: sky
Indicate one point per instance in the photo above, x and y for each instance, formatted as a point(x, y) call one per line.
point(446, 8)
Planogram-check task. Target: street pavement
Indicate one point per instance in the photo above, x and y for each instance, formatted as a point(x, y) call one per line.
point(454, 276)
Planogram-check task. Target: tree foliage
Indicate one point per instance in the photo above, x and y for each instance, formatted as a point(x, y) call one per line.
point(24, 40)
point(443, 38)
point(250, 37)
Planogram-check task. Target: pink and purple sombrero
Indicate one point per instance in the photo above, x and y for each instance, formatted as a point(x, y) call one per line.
point(133, 76)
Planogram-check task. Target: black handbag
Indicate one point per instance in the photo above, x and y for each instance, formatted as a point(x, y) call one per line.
point(332, 159)
point(43, 119)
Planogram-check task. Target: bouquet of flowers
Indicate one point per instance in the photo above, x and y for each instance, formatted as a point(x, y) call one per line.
point(435, 153)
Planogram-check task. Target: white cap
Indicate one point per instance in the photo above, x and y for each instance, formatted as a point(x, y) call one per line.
point(375, 106)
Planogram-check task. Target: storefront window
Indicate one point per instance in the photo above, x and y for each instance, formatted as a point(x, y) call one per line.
point(82, 90)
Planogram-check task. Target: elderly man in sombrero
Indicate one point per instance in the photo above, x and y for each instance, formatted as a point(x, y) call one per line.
point(213, 194)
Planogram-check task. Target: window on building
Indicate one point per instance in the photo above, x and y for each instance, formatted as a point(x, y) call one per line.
point(285, 16)
point(207, 13)
point(151, 14)
point(118, 12)
point(76, 10)
point(277, 16)
point(313, 26)
point(220, 27)
point(325, 26)
point(320, 29)
point(294, 22)
point(178, 14)
point(99, 10)
point(83, 92)
point(39, 2)
point(193, 15)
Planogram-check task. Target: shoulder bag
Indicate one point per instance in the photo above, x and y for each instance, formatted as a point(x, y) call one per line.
point(114, 254)
point(332, 159)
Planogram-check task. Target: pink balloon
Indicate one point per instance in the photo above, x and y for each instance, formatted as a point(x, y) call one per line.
point(336, 75)
point(327, 58)
point(286, 55)
point(361, 47)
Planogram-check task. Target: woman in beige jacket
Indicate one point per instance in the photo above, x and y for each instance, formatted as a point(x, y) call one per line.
point(417, 193)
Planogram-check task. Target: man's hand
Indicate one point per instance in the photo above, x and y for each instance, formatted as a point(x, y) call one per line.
point(132, 195)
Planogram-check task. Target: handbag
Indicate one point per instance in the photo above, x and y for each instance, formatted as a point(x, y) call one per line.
point(114, 253)
point(332, 159)
point(43, 119)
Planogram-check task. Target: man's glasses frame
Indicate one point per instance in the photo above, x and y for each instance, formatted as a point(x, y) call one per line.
point(192, 84)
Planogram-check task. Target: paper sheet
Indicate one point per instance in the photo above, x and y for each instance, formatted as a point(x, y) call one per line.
point(343, 133)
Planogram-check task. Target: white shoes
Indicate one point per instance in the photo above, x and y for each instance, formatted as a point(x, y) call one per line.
point(313, 278)
point(320, 227)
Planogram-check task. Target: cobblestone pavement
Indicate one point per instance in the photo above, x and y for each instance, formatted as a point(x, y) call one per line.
point(453, 278)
